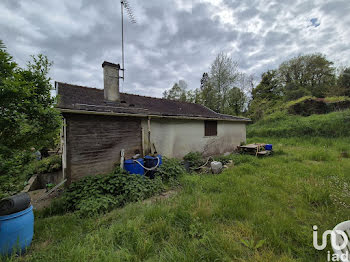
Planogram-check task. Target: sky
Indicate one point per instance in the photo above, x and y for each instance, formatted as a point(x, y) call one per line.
point(172, 40)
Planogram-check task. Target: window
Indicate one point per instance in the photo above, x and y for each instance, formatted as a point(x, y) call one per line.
point(210, 128)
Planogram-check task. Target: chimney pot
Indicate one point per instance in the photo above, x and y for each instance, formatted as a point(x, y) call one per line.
point(111, 81)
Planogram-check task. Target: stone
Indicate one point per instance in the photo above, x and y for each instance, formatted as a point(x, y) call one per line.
point(216, 167)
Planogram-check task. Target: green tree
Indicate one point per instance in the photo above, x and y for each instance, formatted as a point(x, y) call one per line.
point(269, 87)
point(236, 101)
point(343, 82)
point(178, 92)
point(222, 90)
point(27, 114)
point(207, 93)
point(306, 75)
point(224, 75)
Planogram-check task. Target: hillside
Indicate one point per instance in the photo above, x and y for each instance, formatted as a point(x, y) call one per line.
point(281, 124)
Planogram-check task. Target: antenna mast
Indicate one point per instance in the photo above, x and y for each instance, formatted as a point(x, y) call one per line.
point(125, 4)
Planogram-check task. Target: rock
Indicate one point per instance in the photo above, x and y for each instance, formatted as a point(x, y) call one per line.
point(227, 154)
point(216, 167)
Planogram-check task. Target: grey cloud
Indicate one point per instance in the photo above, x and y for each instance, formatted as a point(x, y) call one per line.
point(168, 43)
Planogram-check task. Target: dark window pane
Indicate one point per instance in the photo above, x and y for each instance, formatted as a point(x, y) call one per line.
point(210, 128)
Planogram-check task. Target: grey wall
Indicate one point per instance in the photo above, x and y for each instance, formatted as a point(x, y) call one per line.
point(175, 138)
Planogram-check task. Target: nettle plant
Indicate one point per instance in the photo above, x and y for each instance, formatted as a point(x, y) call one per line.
point(99, 194)
point(171, 170)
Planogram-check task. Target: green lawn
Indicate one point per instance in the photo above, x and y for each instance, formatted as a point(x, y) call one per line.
point(269, 203)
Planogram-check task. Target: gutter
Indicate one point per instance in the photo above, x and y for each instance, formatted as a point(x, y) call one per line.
point(85, 112)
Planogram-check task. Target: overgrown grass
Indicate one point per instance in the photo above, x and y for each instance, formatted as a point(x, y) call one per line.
point(263, 209)
point(280, 124)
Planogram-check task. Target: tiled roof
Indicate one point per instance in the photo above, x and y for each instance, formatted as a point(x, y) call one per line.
point(91, 99)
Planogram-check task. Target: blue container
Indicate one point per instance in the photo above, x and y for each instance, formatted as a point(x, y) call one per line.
point(133, 167)
point(16, 231)
point(268, 147)
point(151, 161)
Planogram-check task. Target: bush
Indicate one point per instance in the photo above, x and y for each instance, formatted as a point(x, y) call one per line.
point(195, 159)
point(48, 165)
point(98, 205)
point(15, 171)
point(98, 194)
point(171, 170)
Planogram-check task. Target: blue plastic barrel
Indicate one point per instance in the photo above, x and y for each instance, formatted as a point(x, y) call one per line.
point(133, 167)
point(151, 161)
point(268, 147)
point(160, 160)
point(16, 231)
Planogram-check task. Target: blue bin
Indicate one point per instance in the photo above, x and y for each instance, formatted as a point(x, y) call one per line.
point(151, 161)
point(268, 147)
point(133, 167)
point(16, 231)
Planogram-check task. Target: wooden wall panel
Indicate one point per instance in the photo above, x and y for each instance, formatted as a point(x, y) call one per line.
point(94, 143)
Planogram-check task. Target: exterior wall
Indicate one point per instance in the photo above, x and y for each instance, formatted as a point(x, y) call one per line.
point(94, 143)
point(175, 138)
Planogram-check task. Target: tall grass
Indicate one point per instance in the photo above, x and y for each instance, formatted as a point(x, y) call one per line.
point(280, 124)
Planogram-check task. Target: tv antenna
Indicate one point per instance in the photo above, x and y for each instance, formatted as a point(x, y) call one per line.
point(125, 4)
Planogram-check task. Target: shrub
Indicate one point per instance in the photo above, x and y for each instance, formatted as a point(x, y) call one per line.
point(171, 170)
point(48, 164)
point(98, 194)
point(98, 205)
point(195, 159)
point(14, 171)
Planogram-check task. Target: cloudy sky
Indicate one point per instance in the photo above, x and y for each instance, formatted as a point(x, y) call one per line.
point(172, 39)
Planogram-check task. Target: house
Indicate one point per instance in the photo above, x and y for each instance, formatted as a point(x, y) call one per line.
point(98, 124)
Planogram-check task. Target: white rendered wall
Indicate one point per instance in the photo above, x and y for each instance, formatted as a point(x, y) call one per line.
point(175, 138)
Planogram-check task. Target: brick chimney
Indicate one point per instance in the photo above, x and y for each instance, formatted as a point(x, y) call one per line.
point(111, 81)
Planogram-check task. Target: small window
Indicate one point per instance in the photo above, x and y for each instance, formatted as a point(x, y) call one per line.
point(210, 128)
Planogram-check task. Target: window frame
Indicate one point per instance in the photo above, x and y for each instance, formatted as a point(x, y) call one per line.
point(209, 129)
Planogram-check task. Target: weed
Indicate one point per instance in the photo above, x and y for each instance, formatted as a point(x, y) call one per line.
point(195, 160)
point(171, 170)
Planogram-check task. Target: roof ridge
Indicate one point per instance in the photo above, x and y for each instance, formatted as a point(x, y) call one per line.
point(75, 94)
point(159, 98)
point(63, 83)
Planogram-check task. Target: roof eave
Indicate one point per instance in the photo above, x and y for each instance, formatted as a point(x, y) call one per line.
point(72, 111)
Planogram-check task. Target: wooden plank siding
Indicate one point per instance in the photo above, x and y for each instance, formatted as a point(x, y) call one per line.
point(94, 143)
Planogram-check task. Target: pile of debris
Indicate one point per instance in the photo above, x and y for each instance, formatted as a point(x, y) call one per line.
point(256, 149)
point(195, 162)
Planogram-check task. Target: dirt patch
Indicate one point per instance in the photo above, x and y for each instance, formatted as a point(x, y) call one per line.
point(164, 195)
